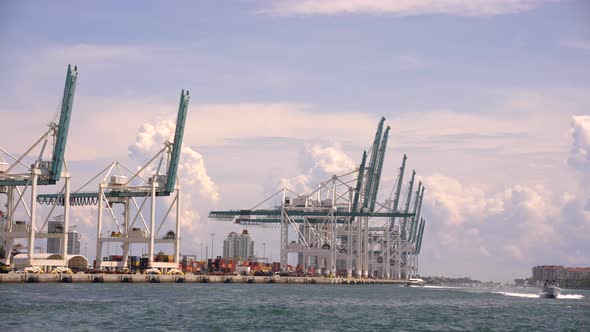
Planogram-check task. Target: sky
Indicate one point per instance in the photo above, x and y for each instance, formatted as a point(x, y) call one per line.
point(488, 98)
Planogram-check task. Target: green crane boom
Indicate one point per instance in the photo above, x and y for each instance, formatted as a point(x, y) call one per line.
point(414, 221)
point(417, 216)
point(419, 247)
point(407, 207)
point(398, 190)
point(178, 135)
point(359, 184)
point(64, 124)
point(372, 164)
point(379, 168)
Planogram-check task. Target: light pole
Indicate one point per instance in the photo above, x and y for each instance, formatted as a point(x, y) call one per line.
point(201, 251)
point(212, 237)
point(264, 251)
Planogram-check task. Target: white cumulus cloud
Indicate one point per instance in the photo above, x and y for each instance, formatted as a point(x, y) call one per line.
point(317, 163)
point(457, 203)
point(192, 174)
point(580, 150)
point(517, 222)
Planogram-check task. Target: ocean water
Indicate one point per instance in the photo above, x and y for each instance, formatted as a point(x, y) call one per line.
point(285, 307)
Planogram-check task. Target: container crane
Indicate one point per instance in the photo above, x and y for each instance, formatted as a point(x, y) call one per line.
point(20, 182)
point(124, 189)
point(331, 220)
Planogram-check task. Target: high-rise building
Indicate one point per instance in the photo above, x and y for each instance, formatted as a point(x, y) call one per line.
point(73, 242)
point(238, 246)
point(54, 244)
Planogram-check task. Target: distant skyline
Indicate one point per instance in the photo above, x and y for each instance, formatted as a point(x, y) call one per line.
point(489, 99)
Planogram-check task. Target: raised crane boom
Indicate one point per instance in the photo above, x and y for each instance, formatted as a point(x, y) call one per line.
point(407, 207)
point(378, 169)
point(173, 150)
point(49, 172)
point(359, 184)
point(64, 124)
point(414, 221)
point(398, 190)
point(420, 234)
point(372, 164)
point(417, 216)
point(177, 145)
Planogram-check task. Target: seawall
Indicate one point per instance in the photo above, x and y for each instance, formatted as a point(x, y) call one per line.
point(143, 278)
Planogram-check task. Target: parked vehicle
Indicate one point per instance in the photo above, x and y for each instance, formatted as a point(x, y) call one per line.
point(61, 269)
point(176, 272)
point(153, 271)
point(33, 269)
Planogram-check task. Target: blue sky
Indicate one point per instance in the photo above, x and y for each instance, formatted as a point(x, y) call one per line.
point(482, 104)
point(234, 53)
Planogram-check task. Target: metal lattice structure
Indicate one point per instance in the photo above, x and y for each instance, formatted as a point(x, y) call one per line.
point(129, 191)
point(20, 182)
point(339, 227)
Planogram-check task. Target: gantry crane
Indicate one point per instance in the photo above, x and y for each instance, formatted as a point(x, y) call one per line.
point(20, 181)
point(124, 188)
point(331, 221)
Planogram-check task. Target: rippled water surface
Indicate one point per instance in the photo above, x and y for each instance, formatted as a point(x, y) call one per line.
point(274, 307)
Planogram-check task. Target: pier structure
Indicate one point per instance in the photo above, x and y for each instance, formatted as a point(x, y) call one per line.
point(23, 177)
point(13, 278)
point(342, 226)
point(122, 191)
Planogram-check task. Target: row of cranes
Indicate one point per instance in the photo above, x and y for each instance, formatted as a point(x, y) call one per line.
point(125, 199)
point(340, 227)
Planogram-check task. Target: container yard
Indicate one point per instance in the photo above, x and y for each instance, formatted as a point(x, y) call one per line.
point(343, 230)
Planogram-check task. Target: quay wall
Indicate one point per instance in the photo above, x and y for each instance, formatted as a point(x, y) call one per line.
point(143, 278)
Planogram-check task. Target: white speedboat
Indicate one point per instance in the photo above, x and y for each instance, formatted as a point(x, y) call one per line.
point(415, 282)
point(550, 290)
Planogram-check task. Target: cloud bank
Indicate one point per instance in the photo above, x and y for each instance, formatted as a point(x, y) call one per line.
point(522, 224)
point(401, 7)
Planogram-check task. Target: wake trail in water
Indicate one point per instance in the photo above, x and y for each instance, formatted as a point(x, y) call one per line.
point(525, 295)
point(536, 296)
point(570, 297)
point(441, 287)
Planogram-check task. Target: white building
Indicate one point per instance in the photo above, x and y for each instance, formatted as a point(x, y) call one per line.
point(73, 242)
point(548, 272)
point(238, 246)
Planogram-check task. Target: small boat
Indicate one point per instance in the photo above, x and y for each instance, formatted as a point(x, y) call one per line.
point(415, 282)
point(550, 290)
